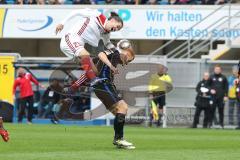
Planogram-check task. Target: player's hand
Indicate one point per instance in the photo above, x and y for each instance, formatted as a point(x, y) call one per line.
point(42, 86)
point(59, 28)
point(115, 70)
point(236, 81)
point(213, 91)
point(151, 96)
point(225, 98)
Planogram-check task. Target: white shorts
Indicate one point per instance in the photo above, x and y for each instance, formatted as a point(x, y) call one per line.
point(71, 45)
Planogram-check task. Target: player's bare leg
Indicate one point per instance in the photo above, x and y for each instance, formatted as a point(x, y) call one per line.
point(3, 132)
point(120, 112)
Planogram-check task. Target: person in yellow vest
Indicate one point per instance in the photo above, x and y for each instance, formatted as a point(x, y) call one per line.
point(232, 99)
point(159, 84)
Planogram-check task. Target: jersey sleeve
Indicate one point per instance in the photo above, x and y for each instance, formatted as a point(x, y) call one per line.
point(33, 79)
point(151, 84)
point(16, 83)
point(109, 52)
point(167, 79)
point(81, 12)
point(106, 41)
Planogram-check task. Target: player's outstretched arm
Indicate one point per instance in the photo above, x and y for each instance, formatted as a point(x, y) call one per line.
point(59, 28)
point(36, 82)
point(103, 57)
point(107, 42)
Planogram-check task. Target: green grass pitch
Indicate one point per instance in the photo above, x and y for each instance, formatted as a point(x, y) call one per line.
point(59, 142)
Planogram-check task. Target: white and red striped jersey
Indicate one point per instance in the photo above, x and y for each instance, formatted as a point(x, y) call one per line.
point(90, 28)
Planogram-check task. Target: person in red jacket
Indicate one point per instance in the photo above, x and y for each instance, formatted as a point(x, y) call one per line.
point(3, 132)
point(23, 81)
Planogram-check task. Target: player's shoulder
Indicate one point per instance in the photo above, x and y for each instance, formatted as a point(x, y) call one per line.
point(155, 75)
point(225, 77)
point(18, 79)
point(28, 74)
point(166, 75)
point(212, 76)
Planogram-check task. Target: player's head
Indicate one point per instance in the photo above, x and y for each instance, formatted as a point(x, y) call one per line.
point(114, 23)
point(21, 71)
point(54, 82)
point(126, 51)
point(235, 70)
point(162, 69)
point(206, 75)
point(217, 69)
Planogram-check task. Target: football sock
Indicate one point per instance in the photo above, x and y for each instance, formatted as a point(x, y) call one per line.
point(119, 122)
point(80, 81)
point(90, 74)
point(87, 67)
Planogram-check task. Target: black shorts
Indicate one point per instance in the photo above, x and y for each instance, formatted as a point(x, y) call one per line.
point(108, 94)
point(160, 99)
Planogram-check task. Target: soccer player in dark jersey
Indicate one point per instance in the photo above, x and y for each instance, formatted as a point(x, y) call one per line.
point(106, 66)
point(107, 92)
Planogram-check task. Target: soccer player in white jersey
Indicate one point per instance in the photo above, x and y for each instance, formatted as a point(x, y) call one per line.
point(91, 29)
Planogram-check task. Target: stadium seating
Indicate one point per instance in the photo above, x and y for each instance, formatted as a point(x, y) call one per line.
point(102, 2)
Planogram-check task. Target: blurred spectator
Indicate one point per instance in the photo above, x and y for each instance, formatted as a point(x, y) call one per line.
point(3, 2)
point(82, 2)
point(31, 2)
point(235, 1)
point(81, 104)
point(53, 2)
point(213, 2)
point(220, 2)
point(219, 85)
point(203, 101)
point(41, 2)
point(20, 2)
point(23, 81)
point(77, 1)
point(72, 105)
point(172, 1)
point(179, 1)
point(81, 99)
point(232, 102)
point(112, 1)
point(158, 87)
point(152, 2)
point(129, 2)
point(49, 99)
point(144, 1)
point(208, 1)
point(61, 1)
point(108, 1)
point(183, 1)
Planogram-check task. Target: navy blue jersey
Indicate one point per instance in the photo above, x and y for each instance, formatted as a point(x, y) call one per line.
point(104, 71)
